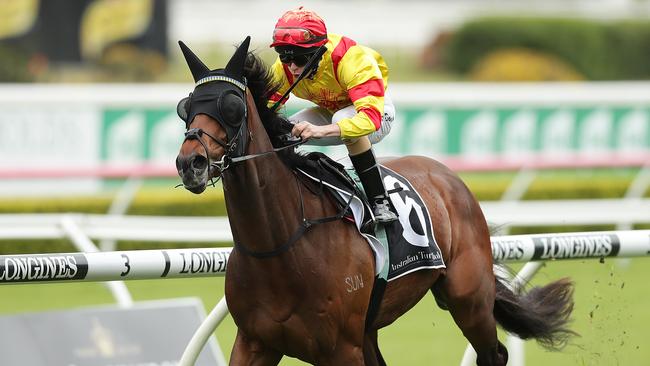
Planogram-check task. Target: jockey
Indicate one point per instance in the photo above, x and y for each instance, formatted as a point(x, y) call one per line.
point(348, 84)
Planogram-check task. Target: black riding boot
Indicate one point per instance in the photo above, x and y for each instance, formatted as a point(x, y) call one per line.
point(368, 170)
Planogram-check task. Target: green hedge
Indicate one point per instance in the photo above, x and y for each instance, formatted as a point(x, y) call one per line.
point(157, 202)
point(599, 50)
point(13, 67)
point(169, 203)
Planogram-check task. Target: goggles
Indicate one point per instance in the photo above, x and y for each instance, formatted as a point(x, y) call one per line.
point(295, 54)
point(298, 60)
point(295, 36)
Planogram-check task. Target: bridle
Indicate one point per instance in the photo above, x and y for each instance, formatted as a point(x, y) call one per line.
point(233, 146)
point(227, 160)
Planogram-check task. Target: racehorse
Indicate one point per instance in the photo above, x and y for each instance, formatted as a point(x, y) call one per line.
point(288, 277)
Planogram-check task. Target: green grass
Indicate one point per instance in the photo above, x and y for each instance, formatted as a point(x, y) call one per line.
point(611, 311)
point(610, 314)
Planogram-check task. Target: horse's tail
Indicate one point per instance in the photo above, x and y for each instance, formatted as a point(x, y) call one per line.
point(541, 313)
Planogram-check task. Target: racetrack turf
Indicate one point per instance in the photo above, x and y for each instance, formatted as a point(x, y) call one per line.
point(611, 314)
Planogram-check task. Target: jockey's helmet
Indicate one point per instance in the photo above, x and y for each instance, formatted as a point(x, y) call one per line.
point(301, 28)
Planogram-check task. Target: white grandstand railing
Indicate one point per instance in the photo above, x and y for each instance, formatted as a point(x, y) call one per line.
point(135, 228)
point(567, 212)
point(217, 229)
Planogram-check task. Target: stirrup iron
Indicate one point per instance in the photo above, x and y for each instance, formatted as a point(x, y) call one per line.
point(382, 211)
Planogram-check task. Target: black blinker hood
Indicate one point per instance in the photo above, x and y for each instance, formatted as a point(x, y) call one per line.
point(220, 94)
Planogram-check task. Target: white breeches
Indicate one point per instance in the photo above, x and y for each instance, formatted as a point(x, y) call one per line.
point(321, 117)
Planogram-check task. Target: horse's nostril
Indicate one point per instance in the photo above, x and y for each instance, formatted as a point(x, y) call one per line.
point(199, 162)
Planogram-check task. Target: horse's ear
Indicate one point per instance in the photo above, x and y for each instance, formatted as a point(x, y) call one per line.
point(235, 67)
point(197, 67)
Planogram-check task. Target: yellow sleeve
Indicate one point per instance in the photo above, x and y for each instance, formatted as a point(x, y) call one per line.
point(360, 74)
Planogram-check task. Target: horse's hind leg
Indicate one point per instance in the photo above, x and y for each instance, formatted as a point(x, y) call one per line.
point(371, 354)
point(468, 291)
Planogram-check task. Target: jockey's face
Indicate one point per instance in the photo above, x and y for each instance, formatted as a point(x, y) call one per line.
point(295, 69)
point(295, 58)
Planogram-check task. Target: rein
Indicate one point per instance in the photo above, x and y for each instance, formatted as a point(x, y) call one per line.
point(239, 159)
point(226, 161)
point(305, 224)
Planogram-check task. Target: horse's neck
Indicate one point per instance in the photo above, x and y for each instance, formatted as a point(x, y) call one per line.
point(255, 188)
point(262, 196)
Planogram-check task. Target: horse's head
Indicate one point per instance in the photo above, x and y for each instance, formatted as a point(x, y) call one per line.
point(215, 115)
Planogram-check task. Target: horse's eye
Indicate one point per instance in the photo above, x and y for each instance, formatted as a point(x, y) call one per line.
point(232, 109)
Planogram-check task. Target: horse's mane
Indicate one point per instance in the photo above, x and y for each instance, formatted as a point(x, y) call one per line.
point(262, 87)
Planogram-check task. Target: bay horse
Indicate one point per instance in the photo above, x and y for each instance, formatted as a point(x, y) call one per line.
point(288, 281)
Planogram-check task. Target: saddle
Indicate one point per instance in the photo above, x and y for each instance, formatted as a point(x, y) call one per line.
point(409, 241)
point(320, 173)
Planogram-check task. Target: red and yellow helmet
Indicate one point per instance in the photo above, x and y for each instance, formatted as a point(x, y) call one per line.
point(300, 27)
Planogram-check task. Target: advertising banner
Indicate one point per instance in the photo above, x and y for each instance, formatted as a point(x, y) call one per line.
point(50, 137)
point(152, 334)
point(460, 133)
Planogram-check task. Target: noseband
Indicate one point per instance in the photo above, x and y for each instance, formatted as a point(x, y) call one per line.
point(228, 107)
point(228, 146)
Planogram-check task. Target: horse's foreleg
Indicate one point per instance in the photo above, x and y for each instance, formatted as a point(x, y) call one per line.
point(251, 353)
point(345, 354)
